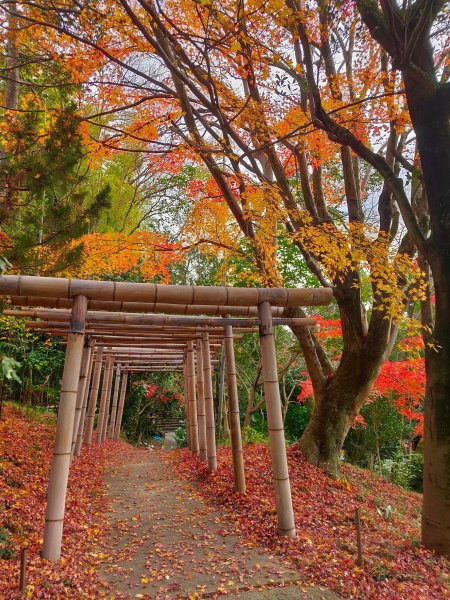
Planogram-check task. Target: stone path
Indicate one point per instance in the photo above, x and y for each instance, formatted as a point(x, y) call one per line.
point(169, 544)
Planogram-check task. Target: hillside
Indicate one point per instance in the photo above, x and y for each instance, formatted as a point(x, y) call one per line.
point(395, 565)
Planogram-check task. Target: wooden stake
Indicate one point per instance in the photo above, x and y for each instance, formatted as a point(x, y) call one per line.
point(359, 560)
point(59, 473)
point(79, 440)
point(112, 423)
point(23, 569)
point(123, 391)
point(193, 424)
point(283, 498)
point(93, 397)
point(209, 405)
point(201, 414)
point(235, 418)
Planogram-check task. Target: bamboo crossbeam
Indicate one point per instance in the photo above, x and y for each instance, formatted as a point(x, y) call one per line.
point(103, 319)
point(54, 287)
point(142, 307)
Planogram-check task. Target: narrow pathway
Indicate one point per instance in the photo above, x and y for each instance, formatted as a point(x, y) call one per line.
point(169, 544)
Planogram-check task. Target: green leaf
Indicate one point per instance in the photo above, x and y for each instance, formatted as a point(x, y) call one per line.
point(8, 368)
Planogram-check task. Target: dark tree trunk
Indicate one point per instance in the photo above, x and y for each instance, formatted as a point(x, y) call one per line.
point(337, 406)
point(436, 480)
point(429, 107)
point(340, 396)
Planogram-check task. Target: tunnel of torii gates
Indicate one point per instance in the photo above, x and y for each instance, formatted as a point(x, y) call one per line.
point(120, 328)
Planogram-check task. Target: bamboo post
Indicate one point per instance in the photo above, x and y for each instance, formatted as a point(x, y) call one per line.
point(93, 397)
point(81, 387)
point(59, 472)
point(186, 404)
point(193, 424)
point(112, 423)
point(209, 404)
point(102, 409)
point(81, 425)
point(108, 401)
point(283, 498)
point(221, 392)
point(201, 414)
point(235, 418)
point(123, 391)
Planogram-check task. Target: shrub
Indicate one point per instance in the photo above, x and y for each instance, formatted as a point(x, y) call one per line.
point(181, 437)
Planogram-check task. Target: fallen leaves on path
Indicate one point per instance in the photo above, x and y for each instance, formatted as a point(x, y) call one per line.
point(26, 446)
point(395, 564)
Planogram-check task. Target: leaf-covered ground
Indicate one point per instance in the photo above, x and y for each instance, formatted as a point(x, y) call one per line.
point(395, 565)
point(25, 454)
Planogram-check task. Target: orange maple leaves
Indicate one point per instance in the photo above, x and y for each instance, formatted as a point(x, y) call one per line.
point(144, 254)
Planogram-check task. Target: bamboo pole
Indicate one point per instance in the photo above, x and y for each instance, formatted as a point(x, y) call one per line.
point(112, 423)
point(193, 424)
point(186, 403)
point(82, 424)
point(93, 397)
point(221, 392)
point(283, 499)
point(235, 418)
point(133, 322)
point(123, 391)
point(102, 409)
point(108, 401)
point(63, 304)
point(53, 287)
point(81, 387)
point(201, 414)
point(59, 472)
point(209, 405)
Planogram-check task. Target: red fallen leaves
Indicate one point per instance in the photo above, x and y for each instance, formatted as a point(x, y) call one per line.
point(395, 565)
point(25, 455)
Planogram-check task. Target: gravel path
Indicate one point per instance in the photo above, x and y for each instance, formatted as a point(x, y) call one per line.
point(167, 543)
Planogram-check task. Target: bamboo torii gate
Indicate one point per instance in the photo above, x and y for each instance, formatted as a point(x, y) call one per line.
point(94, 318)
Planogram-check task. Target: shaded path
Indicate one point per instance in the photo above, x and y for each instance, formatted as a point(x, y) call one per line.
point(169, 544)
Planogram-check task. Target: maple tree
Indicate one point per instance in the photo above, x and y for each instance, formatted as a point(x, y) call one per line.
point(143, 255)
point(258, 92)
point(271, 179)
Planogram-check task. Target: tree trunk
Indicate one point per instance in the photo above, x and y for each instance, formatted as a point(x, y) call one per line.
point(429, 108)
point(436, 477)
point(340, 396)
point(334, 413)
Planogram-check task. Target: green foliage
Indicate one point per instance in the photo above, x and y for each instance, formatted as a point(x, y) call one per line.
point(252, 436)
point(8, 368)
point(181, 437)
point(31, 364)
point(407, 470)
point(6, 545)
point(296, 420)
point(385, 429)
